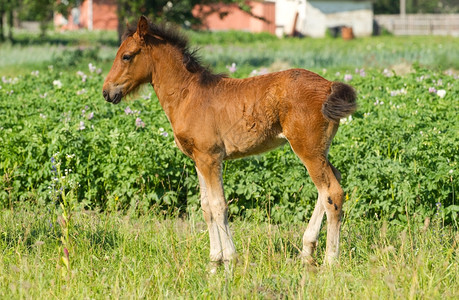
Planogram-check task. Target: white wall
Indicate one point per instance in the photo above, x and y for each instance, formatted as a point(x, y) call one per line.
point(316, 16)
point(321, 15)
point(285, 15)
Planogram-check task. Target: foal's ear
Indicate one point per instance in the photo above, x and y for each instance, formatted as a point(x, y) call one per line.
point(142, 27)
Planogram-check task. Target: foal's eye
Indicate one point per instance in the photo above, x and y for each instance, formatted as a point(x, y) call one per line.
point(127, 57)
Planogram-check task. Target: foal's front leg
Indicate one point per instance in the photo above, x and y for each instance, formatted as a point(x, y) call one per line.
point(215, 212)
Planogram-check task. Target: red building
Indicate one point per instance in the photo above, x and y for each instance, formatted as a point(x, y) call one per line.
point(236, 19)
point(101, 14)
point(92, 14)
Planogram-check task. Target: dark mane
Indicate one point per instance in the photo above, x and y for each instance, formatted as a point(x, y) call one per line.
point(191, 60)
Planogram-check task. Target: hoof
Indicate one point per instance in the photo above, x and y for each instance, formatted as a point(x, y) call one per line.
point(212, 267)
point(230, 266)
point(308, 260)
point(331, 260)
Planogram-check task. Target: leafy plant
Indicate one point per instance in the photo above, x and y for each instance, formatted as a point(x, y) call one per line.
point(398, 153)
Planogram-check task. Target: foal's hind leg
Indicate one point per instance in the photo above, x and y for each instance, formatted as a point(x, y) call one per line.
point(330, 201)
point(326, 179)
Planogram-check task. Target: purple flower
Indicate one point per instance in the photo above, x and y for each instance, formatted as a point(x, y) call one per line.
point(232, 68)
point(432, 90)
point(347, 77)
point(139, 123)
point(66, 253)
point(82, 75)
point(91, 115)
point(164, 134)
point(128, 110)
point(53, 162)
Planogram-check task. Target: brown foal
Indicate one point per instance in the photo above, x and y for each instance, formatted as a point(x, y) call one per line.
point(215, 118)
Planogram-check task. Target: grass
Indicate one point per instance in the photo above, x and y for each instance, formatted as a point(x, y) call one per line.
point(247, 50)
point(375, 52)
point(118, 256)
point(29, 52)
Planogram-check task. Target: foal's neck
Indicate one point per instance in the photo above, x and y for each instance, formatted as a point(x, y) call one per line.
point(170, 76)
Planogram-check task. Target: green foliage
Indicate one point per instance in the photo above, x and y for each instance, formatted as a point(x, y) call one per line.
point(381, 52)
point(398, 154)
point(176, 11)
point(227, 38)
point(386, 7)
point(416, 6)
point(43, 10)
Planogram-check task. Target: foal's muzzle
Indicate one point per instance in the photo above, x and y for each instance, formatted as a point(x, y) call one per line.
point(115, 100)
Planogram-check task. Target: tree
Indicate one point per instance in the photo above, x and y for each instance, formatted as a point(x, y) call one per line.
point(175, 11)
point(416, 6)
point(386, 7)
point(7, 9)
point(43, 10)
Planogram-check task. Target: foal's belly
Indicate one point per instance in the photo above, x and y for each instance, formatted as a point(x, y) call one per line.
point(242, 148)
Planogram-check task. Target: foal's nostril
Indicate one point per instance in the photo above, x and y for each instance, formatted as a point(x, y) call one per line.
point(105, 94)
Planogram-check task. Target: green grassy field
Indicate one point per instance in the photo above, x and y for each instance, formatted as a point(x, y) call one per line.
point(95, 206)
point(117, 256)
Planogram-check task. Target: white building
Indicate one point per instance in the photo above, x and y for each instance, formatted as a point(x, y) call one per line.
point(314, 17)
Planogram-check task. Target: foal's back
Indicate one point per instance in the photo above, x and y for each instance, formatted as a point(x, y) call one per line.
point(249, 114)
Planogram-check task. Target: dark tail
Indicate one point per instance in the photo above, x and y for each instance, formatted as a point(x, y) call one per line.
point(340, 103)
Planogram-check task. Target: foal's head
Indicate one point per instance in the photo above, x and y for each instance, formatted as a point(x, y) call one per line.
point(131, 67)
point(138, 56)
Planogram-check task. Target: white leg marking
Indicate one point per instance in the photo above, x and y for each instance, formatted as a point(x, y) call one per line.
point(311, 234)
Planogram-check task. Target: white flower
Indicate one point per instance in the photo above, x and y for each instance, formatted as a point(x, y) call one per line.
point(57, 83)
point(441, 93)
point(387, 73)
point(92, 67)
